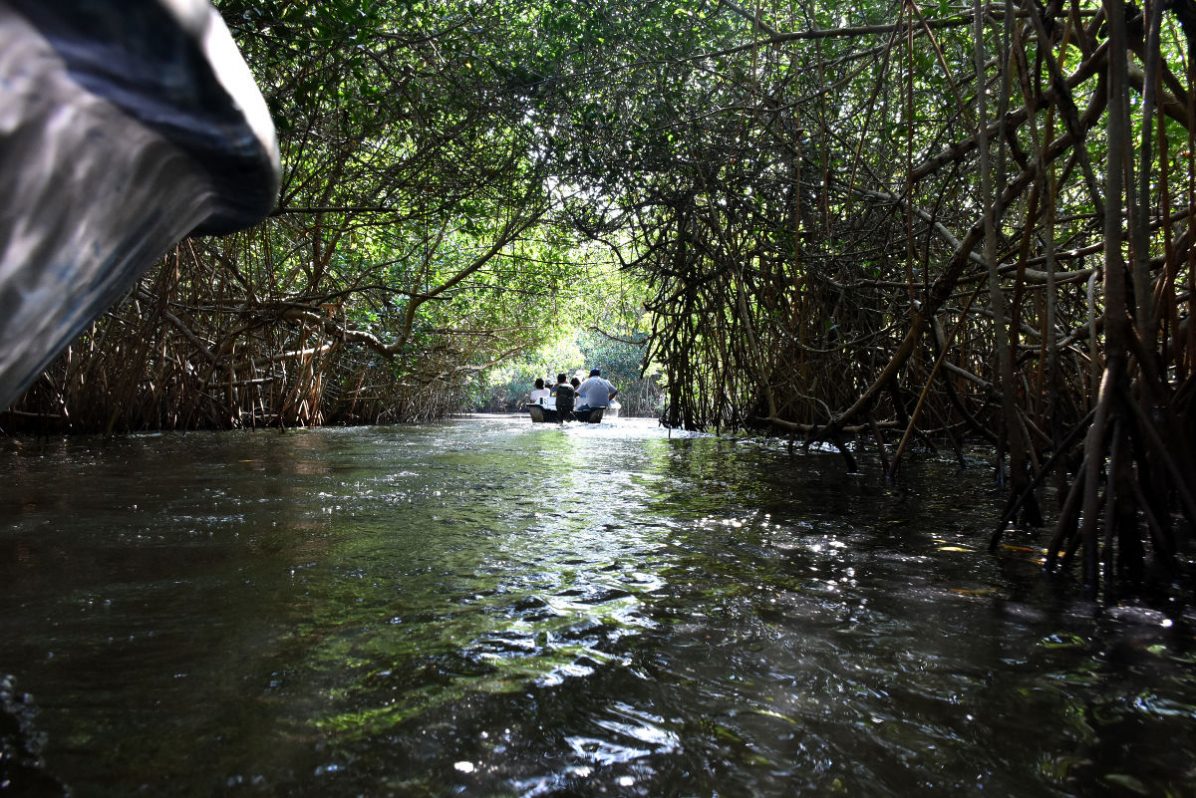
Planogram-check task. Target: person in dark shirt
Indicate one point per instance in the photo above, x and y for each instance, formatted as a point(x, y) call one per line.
point(564, 394)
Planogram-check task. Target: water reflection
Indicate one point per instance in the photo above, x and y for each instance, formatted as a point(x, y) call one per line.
point(495, 608)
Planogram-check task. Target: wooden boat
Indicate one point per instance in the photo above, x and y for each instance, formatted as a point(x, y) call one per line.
point(549, 415)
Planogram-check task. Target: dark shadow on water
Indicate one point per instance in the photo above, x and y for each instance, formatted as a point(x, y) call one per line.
point(493, 608)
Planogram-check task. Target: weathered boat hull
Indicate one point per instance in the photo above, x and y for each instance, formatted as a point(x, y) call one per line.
point(548, 415)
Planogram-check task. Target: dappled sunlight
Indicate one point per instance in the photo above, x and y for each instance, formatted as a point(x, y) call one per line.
point(528, 609)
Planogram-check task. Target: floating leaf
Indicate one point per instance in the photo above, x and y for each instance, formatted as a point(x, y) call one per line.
point(973, 591)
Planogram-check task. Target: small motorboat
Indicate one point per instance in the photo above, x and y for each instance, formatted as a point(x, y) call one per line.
point(542, 414)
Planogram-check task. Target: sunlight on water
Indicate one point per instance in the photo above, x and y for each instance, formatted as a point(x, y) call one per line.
point(495, 608)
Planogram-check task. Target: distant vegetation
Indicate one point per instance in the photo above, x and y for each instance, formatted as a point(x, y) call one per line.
point(620, 360)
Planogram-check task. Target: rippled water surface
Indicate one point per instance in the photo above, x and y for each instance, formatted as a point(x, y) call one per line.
point(487, 607)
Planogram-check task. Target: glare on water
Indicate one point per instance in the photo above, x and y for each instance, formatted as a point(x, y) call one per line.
point(492, 607)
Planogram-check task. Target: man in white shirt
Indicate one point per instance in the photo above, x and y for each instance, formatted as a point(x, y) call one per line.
point(596, 391)
point(539, 393)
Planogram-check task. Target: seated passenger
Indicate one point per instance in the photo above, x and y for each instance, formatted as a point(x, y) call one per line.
point(539, 393)
point(596, 391)
point(564, 394)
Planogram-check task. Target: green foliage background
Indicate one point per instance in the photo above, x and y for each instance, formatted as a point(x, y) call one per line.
point(763, 195)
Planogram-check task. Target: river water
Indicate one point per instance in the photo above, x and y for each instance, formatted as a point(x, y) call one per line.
point(487, 607)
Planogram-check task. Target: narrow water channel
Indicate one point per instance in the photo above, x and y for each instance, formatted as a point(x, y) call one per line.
point(487, 607)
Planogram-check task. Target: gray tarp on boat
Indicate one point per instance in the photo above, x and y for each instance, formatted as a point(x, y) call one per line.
point(125, 125)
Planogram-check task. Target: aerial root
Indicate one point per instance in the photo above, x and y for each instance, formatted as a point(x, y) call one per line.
point(1108, 512)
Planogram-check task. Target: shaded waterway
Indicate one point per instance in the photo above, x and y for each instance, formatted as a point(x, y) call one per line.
point(486, 607)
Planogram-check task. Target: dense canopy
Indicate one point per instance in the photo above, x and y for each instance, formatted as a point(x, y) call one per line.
point(896, 222)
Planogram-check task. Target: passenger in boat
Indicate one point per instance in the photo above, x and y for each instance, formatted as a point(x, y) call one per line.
point(564, 394)
point(576, 383)
point(596, 391)
point(539, 393)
